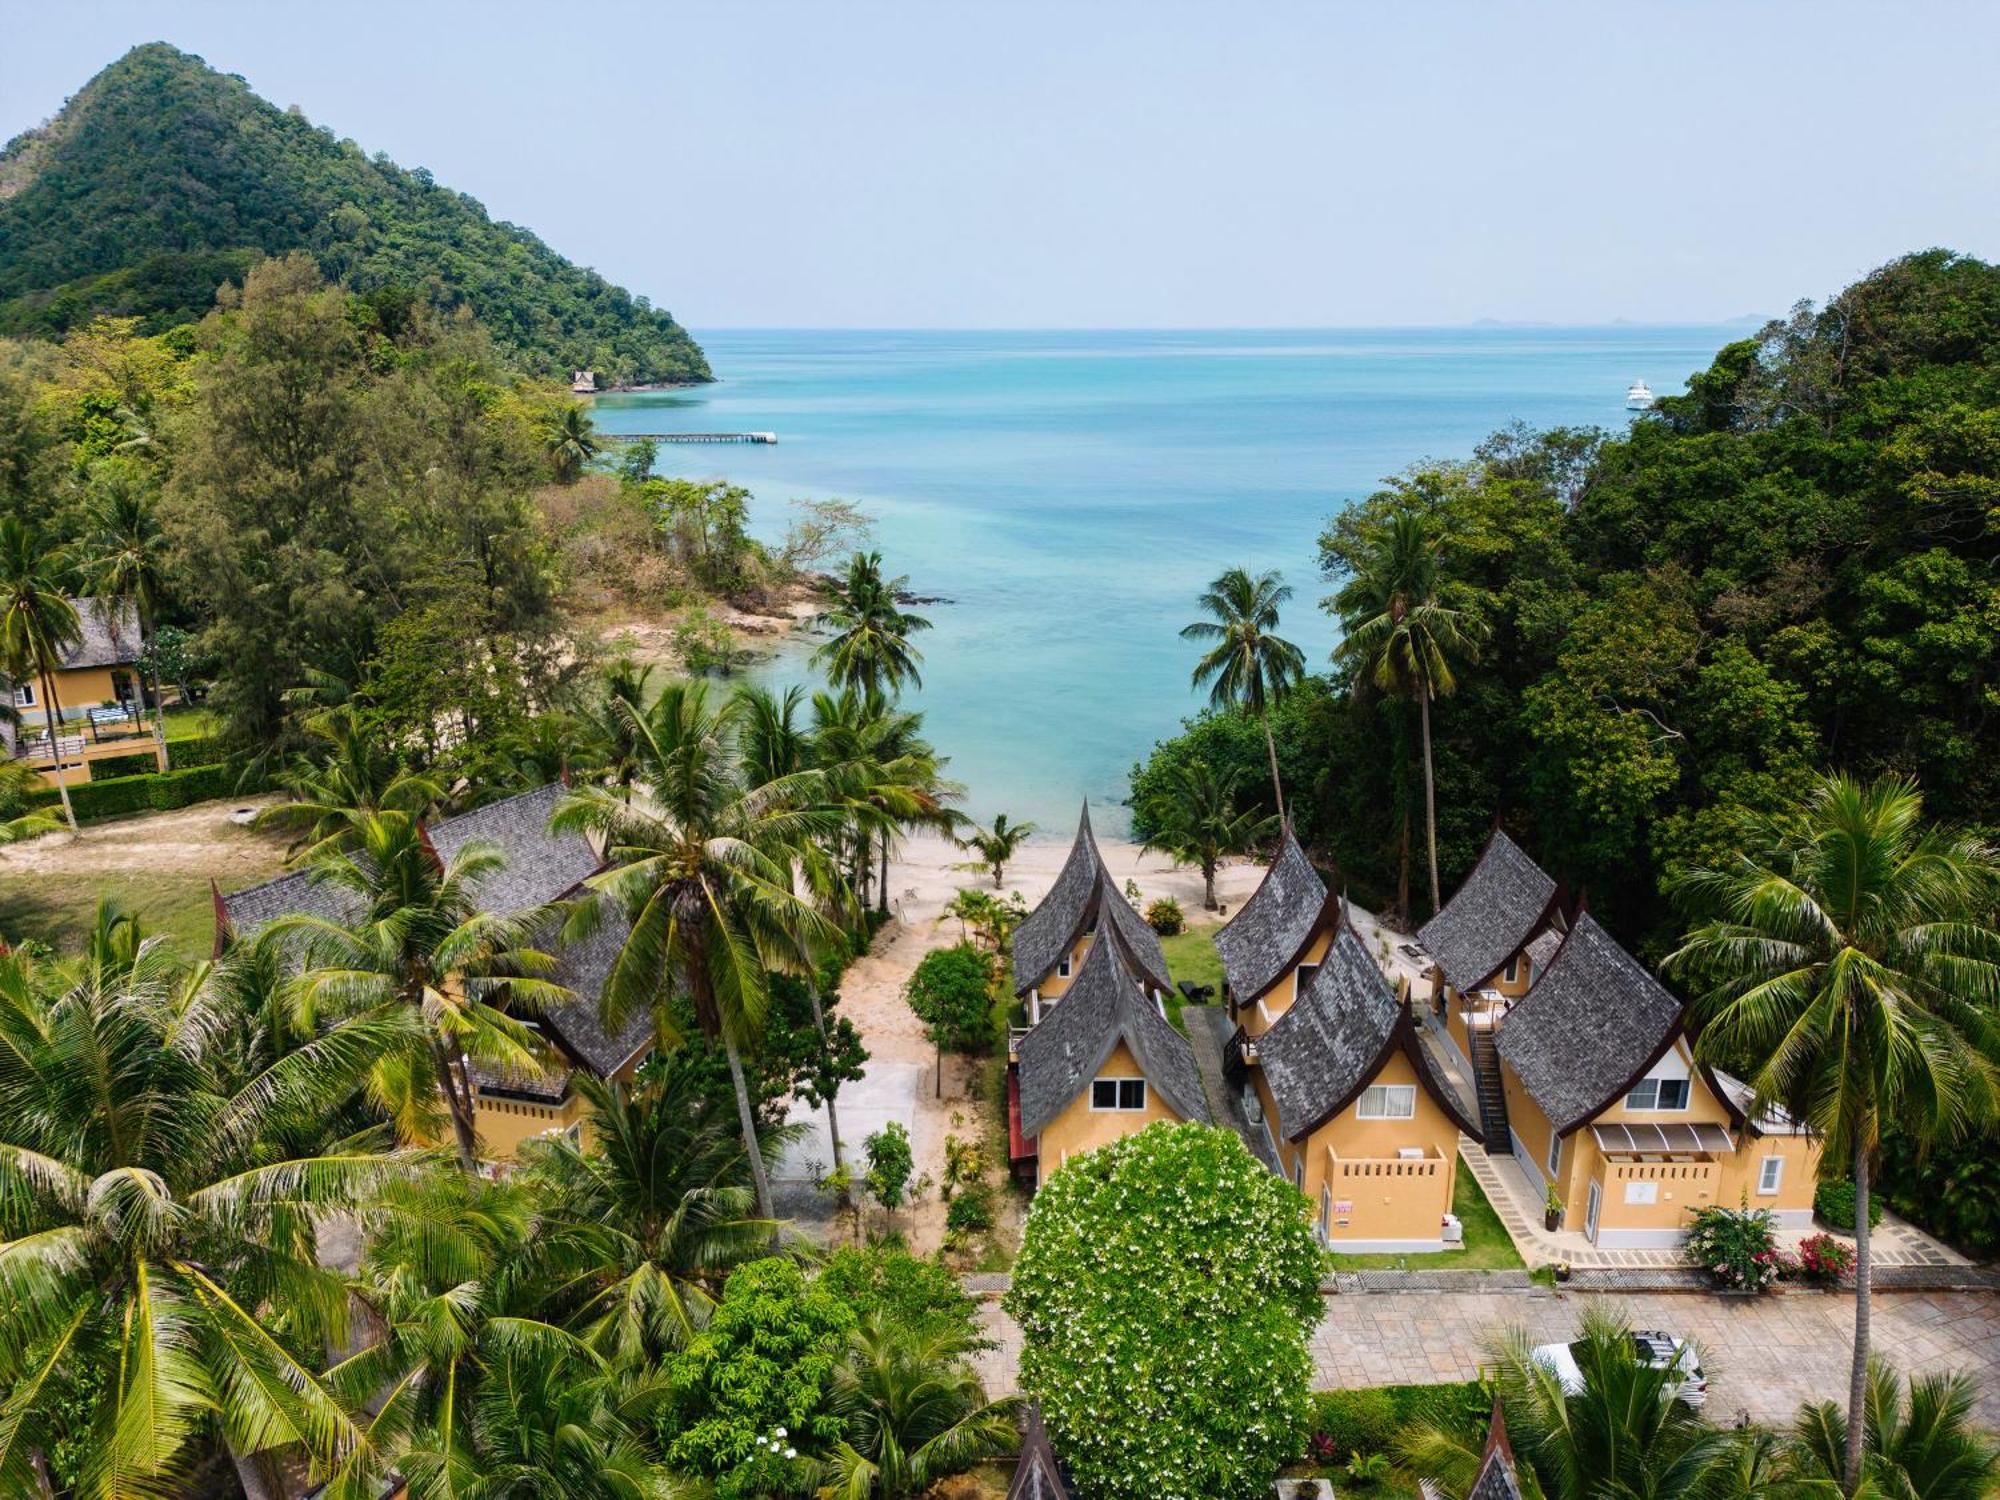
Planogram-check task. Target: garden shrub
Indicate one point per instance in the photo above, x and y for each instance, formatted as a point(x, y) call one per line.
point(1951, 1190)
point(1165, 917)
point(1736, 1247)
point(1824, 1260)
point(1833, 1205)
point(971, 1211)
point(951, 992)
point(1166, 1285)
point(113, 766)
point(1363, 1421)
point(902, 1288)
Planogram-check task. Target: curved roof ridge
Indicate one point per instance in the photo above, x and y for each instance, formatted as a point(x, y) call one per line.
point(1084, 884)
point(1492, 913)
point(1591, 1024)
point(1270, 928)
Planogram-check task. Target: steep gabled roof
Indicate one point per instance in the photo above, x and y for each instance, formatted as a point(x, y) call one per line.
point(1496, 1479)
point(1492, 913)
point(1102, 1007)
point(541, 867)
point(109, 634)
point(1323, 1051)
point(1265, 936)
point(1084, 890)
point(1039, 1475)
point(1591, 1024)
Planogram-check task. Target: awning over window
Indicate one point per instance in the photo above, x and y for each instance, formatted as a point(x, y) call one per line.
point(1661, 1140)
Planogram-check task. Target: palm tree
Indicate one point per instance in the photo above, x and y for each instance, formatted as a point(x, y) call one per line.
point(1195, 821)
point(350, 773)
point(1621, 1435)
point(157, 1248)
point(1927, 1448)
point(1399, 637)
point(18, 821)
point(125, 560)
point(704, 867)
point(871, 647)
point(1249, 667)
point(569, 440)
point(996, 846)
point(419, 943)
point(1850, 965)
point(885, 774)
point(622, 680)
point(647, 1222)
point(38, 623)
point(914, 1412)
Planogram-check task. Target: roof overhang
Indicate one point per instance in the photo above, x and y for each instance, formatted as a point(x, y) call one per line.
point(1677, 1139)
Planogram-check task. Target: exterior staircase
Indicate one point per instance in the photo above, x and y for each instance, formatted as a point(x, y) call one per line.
point(1492, 1096)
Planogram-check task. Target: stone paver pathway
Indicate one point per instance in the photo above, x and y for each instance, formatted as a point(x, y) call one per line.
point(1766, 1356)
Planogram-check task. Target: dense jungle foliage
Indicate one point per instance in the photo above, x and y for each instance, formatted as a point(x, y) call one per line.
point(162, 179)
point(1788, 568)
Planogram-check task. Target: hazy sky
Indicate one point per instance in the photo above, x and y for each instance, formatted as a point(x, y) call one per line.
point(1101, 164)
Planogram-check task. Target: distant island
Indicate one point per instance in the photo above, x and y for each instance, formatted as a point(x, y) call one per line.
point(162, 179)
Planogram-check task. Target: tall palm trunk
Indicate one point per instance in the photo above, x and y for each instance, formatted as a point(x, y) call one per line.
point(1430, 794)
point(882, 892)
point(832, 1120)
point(1208, 885)
point(1857, 1378)
point(1403, 868)
point(159, 704)
point(1271, 749)
point(253, 1472)
point(52, 711)
point(748, 1122)
point(458, 1102)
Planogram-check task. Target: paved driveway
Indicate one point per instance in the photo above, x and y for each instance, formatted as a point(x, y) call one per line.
point(1766, 1356)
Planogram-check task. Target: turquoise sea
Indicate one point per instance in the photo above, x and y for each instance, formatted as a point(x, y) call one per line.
point(1071, 492)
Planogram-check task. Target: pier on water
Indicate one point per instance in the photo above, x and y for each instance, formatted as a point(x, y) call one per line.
point(688, 437)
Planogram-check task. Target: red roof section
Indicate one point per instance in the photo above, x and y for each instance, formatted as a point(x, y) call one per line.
point(1018, 1148)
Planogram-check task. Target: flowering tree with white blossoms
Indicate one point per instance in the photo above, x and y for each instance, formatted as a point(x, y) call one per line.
point(1165, 1290)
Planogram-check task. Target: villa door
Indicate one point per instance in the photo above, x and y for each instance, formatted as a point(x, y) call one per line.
point(1591, 1204)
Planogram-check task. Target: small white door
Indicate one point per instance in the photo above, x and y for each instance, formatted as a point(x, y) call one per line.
point(1590, 1207)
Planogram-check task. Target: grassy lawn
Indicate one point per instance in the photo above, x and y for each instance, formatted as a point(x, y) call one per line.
point(187, 722)
point(1486, 1248)
point(1191, 956)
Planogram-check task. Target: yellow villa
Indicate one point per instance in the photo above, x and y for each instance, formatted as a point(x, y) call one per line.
point(541, 867)
point(1352, 1111)
point(1585, 1073)
point(1051, 944)
point(98, 693)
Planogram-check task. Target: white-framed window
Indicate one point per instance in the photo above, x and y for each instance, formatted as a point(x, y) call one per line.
point(1660, 1093)
point(1062, 968)
point(1118, 1093)
point(1770, 1174)
point(24, 695)
point(1555, 1162)
point(1387, 1101)
point(1512, 973)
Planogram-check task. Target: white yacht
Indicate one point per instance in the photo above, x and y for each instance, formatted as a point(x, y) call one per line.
point(1639, 397)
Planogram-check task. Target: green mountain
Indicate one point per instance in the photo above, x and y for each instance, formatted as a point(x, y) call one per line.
point(163, 178)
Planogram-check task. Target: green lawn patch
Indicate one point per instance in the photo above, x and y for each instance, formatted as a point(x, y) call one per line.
point(1487, 1245)
point(186, 722)
point(1191, 956)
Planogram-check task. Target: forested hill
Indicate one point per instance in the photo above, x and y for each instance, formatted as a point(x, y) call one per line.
point(163, 178)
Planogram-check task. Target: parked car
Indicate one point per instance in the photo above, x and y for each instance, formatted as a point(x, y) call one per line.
point(1651, 1348)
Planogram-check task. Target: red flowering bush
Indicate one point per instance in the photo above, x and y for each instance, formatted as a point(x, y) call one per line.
point(1824, 1260)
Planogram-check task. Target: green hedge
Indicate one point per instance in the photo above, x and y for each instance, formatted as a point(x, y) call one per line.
point(1833, 1205)
point(198, 750)
point(122, 796)
point(1369, 1420)
point(119, 766)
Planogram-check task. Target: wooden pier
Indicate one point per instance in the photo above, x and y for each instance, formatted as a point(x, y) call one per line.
point(688, 437)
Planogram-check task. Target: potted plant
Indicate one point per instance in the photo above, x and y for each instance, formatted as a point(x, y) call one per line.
point(1552, 1210)
point(1561, 1269)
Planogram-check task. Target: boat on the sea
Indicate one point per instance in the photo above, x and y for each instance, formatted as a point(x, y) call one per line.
point(1639, 397)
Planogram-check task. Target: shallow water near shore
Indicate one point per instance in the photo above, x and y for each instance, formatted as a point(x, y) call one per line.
point(1071, 493)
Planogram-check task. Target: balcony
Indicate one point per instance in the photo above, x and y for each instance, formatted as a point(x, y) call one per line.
point(1427, 1162)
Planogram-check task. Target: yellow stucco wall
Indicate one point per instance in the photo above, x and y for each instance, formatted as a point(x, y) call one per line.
point(84, 687)
point(1741, 1172)
point(503, 1124)
point(1353, 1161)
point(1079, 1128)
point(1054, 982)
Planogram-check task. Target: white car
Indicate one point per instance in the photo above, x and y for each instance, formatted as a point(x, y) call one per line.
point(1656, 1350)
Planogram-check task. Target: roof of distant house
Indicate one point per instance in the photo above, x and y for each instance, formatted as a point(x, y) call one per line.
point(1083, 891)
point(1329, 1045)
point(1495, 910)
point(1590, 1026)
point(1496, 1479)
point(109, 635)
point(1265, 936)
point(541, 867)
point(1103, 1006)
point(1039, 1474)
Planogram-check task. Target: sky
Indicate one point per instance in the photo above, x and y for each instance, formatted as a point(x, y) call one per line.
point(1158, 164)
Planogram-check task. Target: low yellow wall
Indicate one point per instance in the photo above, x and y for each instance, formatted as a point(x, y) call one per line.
point(503, 1124)
point(1079, 1128)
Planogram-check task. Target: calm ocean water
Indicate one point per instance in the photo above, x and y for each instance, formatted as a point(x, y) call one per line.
point(1071, 492)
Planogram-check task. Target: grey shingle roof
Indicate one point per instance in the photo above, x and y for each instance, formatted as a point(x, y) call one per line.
point(1083, 889)
point(541, 867)
point(1264, 937)
point(1324, 1050)
point(1103, 1005)
point(1039, 1475)
point(1490, 915)
point(110, 634)
point(1593, 1021)
point(1496, 1479)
